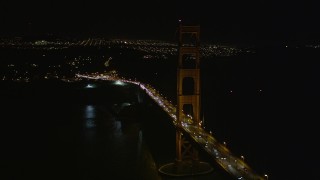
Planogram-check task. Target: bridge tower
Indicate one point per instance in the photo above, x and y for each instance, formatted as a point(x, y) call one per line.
point(188, 89)
point(187, 161)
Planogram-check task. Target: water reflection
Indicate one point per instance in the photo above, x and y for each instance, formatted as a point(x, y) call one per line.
point(90, 112)
point(139, 144)
point(90, 123)
point(117, 128)
point(90, 115)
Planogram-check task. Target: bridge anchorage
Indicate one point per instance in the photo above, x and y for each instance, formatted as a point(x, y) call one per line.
point(187, 161)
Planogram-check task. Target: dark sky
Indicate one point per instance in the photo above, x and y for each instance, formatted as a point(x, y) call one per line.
point(223, 20)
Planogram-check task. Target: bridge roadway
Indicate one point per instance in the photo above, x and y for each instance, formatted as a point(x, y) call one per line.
point(222, 155)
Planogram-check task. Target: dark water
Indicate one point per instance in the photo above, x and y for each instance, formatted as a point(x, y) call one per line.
point(264, 105)
point(54, 131)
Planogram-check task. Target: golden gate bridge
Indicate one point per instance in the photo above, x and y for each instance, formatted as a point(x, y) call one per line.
point(187, 123)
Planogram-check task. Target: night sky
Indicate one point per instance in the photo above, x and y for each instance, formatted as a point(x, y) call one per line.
point(221, 21)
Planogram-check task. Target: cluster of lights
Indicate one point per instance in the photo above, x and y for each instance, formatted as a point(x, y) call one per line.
point(159, 49)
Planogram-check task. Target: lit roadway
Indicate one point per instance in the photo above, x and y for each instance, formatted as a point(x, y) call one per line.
point(232, 164)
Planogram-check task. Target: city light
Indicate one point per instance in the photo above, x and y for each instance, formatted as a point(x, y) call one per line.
point(89, 86)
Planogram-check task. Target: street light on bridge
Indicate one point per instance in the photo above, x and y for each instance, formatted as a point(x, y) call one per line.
point(224, 143)
point(266, 175)
point(242, 157)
